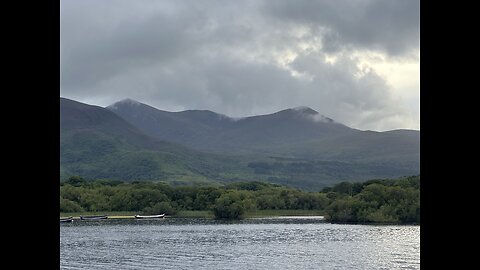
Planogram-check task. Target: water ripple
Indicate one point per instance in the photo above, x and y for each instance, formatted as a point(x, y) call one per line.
point(250, 244)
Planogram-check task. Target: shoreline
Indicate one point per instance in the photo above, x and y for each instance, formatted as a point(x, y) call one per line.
point(198, 214)
point(259, 214)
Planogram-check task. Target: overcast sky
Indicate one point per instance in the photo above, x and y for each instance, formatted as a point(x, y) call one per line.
point(357, 62)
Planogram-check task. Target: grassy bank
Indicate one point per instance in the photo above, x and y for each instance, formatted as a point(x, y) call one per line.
point(113, 214)
point(280, 213)
point(202, 214)
point(252, 214)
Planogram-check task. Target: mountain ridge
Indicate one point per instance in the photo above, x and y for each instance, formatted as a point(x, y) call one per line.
point(305, 110)
point(218, 132)
point(96, 143)
point(130, 140)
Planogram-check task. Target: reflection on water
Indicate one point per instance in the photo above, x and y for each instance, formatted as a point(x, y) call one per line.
point(267, 243)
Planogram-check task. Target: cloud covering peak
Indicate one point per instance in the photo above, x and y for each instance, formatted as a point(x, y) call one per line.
point(241, 58)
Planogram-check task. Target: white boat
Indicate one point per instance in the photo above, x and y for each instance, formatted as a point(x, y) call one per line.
point(151, 216)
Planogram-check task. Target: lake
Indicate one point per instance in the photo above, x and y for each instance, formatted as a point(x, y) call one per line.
point(262, 243)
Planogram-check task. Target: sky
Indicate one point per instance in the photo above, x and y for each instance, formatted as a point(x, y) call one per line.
point(355, 61)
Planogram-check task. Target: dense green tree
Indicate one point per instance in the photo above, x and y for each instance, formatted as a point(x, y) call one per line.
point(379, 201)
point(229, 206)
point(160, 208)
point(344, 210)
point(343, 188)
point(69, 206)
point(374, 201)
point(76, 181)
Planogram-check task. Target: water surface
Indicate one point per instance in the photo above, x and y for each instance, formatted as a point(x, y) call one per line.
point(270, 243)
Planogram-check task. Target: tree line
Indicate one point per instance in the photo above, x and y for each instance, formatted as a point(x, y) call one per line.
point(374, 201)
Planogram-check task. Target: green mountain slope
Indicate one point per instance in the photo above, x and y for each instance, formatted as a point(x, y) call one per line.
point(297, 133)
point(95, 143)
point(210, 131)
point(295, 147)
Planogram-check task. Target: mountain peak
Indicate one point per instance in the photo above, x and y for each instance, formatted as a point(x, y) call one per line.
point(126, 101)
point(308, 113)
point(304, 109)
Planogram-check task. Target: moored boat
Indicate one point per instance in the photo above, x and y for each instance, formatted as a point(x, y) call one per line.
point(151, 216)
point(67, 219)
point(93, 217)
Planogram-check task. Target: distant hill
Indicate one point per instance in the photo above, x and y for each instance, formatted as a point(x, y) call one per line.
point(210, 131)
point(365, 146)
point(96, 143)
point(297, 132)
point(298, 147)
point(188, 128)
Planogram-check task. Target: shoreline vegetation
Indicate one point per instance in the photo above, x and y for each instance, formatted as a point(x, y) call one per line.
point(199, 214)
point(379, 201)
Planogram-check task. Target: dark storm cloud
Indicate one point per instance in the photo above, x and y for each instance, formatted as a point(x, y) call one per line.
point(387, 25)
point(235, 57)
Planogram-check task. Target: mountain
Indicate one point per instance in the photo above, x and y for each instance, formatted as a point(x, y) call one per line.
point(297, 132)
point(364, 146)
point(297, 147)
point(210, 131)
point(188, 128)
point(96, 143)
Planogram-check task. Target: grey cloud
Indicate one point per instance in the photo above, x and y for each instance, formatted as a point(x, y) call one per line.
point(240, 88)
point(177, 55)
point(342, 94)
point(109, 47)
point(222, 84)
point(388, 25)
